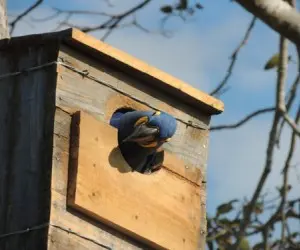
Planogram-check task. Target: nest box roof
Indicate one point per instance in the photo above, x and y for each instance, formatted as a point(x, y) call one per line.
point(133, 66)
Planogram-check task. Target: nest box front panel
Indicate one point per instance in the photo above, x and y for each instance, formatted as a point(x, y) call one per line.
point(97, 89)
point(162, 209)
point(101, 89)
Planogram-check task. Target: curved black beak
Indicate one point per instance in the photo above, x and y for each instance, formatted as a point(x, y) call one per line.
point(142, 134)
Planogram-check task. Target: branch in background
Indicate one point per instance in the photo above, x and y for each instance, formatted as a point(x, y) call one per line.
point(291, 98)
point(113, 21)
point(23, 14)
point(285, 172)
point(291, 122)
point(278, 15)
point(281, 88)
point(293, 90)
point(281, 77)
point(244, 120)
point(233, 59)
point(181, 9)
point(165, 20)
point(58, 12)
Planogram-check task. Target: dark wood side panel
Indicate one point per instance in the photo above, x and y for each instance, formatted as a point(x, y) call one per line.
point(27, 105)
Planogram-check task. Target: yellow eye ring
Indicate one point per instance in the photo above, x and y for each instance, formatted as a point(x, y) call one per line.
point(142, 120)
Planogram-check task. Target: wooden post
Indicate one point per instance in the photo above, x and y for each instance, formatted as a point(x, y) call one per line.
point(3, 20)
point(45, 80)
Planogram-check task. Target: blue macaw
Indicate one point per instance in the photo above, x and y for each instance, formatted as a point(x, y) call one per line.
point(141, 135)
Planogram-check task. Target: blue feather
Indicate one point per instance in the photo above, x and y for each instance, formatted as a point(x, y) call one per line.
point(141, 158)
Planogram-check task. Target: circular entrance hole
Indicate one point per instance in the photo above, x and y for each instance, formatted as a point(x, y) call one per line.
point(134, 154)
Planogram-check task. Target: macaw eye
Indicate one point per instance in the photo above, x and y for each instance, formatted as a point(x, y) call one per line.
point(157, 113)
point(142, 120)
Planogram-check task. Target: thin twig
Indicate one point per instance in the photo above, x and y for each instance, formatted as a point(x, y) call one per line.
point(23, 14)
point(291, 122)
point(233, 58)
point(114, 20)
point(244, 120)
point(281, 77)
point(292, 93)
point(291, 98)
point(58, 12)
point(285, 172)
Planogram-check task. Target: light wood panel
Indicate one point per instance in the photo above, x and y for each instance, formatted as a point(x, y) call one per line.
point(162, 209)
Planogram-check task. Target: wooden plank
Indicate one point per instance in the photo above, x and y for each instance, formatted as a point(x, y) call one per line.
point(68, 228)
point(27, 104)
point(75, 92)
point(148, 74)
point(162, 209)
point(166, 81)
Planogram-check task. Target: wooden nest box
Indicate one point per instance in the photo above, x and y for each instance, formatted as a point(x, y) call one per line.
point(63, 183)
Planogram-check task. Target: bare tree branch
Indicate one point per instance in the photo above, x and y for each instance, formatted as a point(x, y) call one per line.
point(291, 122)
point(291, 98)
point(58, 12)
point(283, 61)
point(285, 172)
point(23, 14)
point(281, 90)
point(114, 20)
point(244, 120)
point(278, 15)
point(233, 58)
point(282, 75)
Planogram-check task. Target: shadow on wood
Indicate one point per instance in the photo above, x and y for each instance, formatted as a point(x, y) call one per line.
point(117, 161)
point(162, 209)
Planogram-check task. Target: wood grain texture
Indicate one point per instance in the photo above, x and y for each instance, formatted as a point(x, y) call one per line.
point(148, 75)
point(143, 70)
point(27, 105)
point(75, 92)
point(3, 20)
point(64, 218)
point(162, 209)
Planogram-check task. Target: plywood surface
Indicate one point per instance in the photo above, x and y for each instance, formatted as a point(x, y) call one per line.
point(86, 233)
point(162, 209)
point(167, 81)
point(75, 92)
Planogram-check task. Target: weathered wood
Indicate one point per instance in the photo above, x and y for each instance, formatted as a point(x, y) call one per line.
point(62, 218)
point(162, 209)
point(27, 107)
point(3, 20)
point(189, 144)
point(76, 92)
point(145, 73)
point(27, 104)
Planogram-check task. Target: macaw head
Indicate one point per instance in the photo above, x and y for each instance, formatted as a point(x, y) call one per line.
point(152, 129)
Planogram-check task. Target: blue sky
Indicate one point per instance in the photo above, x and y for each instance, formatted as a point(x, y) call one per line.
point(198, 53)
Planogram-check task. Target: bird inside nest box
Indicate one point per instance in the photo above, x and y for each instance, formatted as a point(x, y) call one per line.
point(141, 137)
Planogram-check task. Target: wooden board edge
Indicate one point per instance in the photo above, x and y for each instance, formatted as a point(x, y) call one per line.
point(120, 229)
point(190, 174)
point(216, 105)
point(73, 157)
